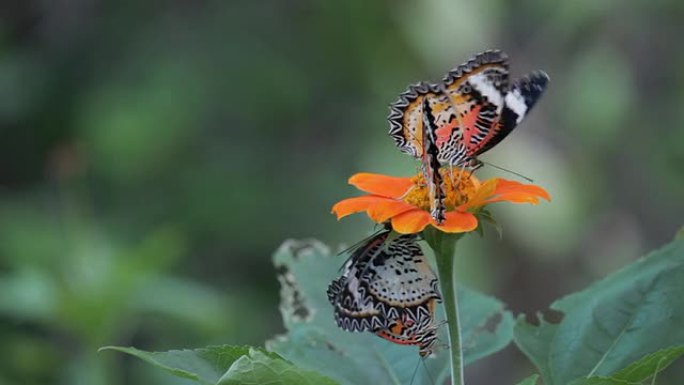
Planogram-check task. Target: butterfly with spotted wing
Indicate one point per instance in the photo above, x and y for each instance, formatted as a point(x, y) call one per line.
point(388, 288)
point(470, 111)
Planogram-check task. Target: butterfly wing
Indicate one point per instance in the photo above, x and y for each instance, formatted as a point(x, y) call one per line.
point(518, 102)
point(466, 101)
point(403, 332)
point(476, 89)
point(406, 119)
point(388, 288)
point(382, 281)
point(402, 279)
point(354, 308)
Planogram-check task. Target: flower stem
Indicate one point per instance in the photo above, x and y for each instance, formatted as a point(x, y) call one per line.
point(444, 246)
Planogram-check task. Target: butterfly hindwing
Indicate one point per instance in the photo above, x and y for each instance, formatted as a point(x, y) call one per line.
point(403, 332)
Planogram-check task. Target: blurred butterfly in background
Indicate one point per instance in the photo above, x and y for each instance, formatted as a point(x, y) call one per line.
point(388, 288)
point(470, 111)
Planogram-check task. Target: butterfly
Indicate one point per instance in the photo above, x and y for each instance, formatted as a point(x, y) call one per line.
point(471, 110)
point(388, 288)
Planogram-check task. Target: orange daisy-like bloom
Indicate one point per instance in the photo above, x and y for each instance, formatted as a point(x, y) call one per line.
point(405, 202)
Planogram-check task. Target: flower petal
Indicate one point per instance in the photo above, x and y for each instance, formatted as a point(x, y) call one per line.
point(387, 209)
point(357, 204)
point(485, 191)
point(516, 192)
point(383, 185)
point(457, 222)
point(411, 222)
point(514, 197)
point(508, 186)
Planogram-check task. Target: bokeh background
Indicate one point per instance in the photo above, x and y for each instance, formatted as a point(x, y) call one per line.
point(154, 154)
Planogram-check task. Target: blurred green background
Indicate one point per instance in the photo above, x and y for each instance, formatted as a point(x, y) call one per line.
point(154, 154)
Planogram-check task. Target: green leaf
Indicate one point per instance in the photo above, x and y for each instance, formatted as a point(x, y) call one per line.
point(616, 321)
point(480, 230)
point(205, 365)
point(259, 368)
point(680, 234)
point(228, 365)
point(638, 371)
point(314, 341)
point(531, 380)
point(649, 365)
point(485, 216)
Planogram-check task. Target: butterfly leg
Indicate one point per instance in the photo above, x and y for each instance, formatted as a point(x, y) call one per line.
point(440, 323)
point(460, 176)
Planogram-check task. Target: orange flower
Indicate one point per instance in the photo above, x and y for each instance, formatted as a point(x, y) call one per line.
point(404, 200)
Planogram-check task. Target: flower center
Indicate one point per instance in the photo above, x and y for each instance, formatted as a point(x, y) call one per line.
point(458, 187)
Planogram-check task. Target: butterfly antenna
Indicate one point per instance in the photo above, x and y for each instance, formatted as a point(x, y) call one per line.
point(415, 371)
point(359, 243)
point(510, 171)
point(356, 246)
point(372, 257)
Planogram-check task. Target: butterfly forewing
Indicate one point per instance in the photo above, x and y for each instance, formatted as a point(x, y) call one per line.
point(401, 276)
point(518, 102)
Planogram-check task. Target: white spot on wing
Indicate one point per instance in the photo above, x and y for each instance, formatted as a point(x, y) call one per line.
point(516, 102)
point(487, 89)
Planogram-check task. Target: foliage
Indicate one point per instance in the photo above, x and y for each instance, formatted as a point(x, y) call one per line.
point(314, 341)
point(624, 328)
point(531, 380)
point(228, 365)
point(70, 279)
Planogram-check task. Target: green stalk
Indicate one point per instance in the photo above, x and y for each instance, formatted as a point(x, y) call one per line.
point(444, 246)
